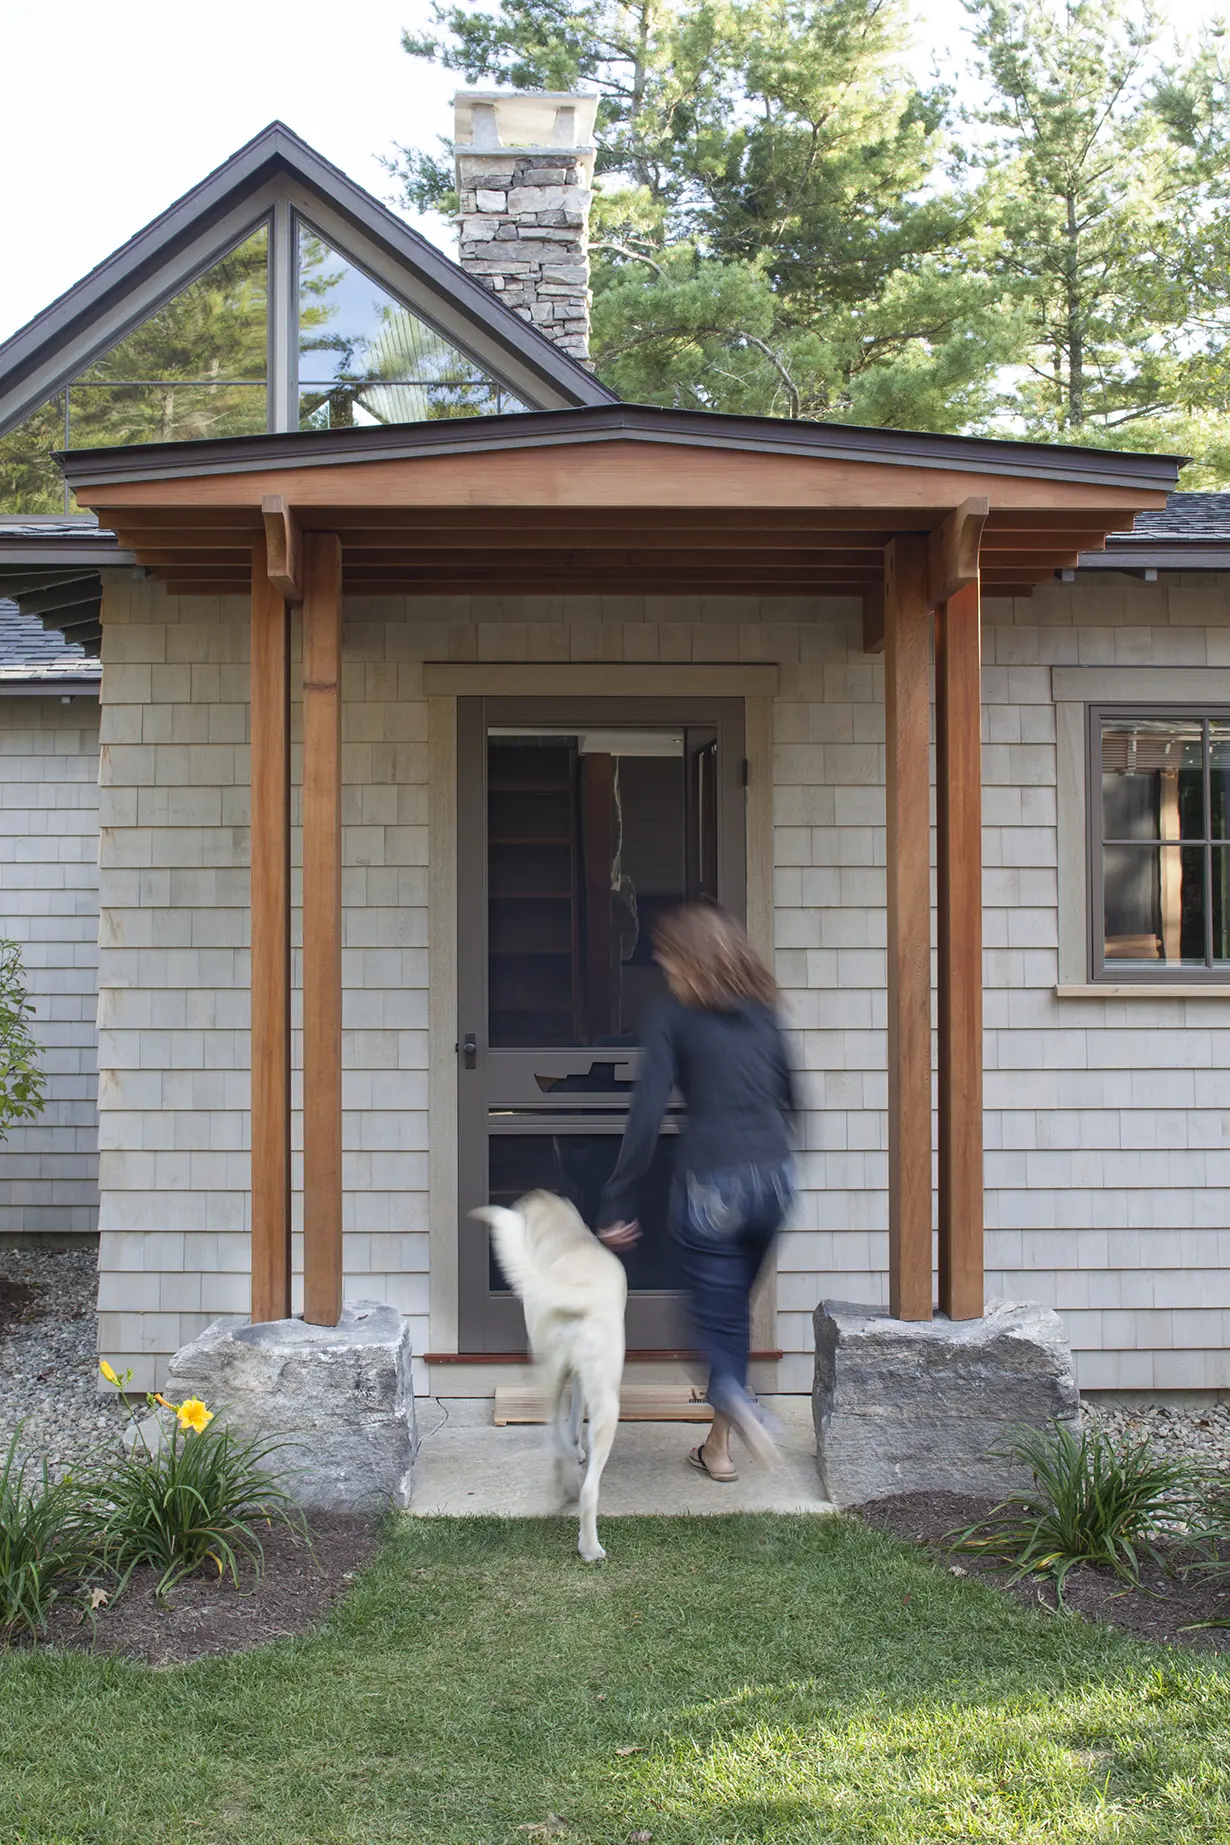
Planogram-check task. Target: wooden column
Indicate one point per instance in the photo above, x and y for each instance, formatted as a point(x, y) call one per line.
point(322, 928)
point(907, 678)
point(958, 716)
point(270, 902)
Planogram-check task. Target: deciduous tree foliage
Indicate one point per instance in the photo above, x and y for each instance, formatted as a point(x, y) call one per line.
point(789, 222)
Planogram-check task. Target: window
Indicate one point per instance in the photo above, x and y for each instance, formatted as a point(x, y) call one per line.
point(365, 358)
point(196, 367)
point(1160, 843)
point(199, 365)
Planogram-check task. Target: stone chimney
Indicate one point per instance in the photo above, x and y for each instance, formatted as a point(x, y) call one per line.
point(525, 174)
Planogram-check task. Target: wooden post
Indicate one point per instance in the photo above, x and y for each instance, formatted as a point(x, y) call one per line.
point(322, 929)
point(958, 705)
point(270, 905)
point(907, 697)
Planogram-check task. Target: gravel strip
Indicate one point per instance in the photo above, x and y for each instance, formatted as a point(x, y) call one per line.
point(49, 1361)
point(1198, 1434)
point(49, 1376)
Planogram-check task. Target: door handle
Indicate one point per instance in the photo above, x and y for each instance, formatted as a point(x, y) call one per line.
point(469, 1050)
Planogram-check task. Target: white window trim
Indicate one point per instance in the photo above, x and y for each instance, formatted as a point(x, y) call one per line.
point(1074, 689)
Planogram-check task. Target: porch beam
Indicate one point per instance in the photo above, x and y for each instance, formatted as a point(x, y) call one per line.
point(270, 948)
point(907, 678)
point(958, 714)
point(322, 929)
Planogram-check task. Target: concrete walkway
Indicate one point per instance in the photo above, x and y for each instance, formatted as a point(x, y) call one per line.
point(468, 1468)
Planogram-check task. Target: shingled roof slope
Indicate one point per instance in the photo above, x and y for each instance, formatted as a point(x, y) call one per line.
point(28, 651)
point(1188, 515)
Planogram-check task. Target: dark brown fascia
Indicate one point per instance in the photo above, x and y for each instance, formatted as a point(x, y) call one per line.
point(622, 422)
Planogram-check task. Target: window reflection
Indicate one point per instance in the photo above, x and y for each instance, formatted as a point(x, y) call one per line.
point(1165, 875)
point(365, 358)
point(196, 367)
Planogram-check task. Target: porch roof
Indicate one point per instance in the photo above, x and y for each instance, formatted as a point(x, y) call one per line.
point(616, 499)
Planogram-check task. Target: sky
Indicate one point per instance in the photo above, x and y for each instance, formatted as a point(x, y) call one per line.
point(111, 111)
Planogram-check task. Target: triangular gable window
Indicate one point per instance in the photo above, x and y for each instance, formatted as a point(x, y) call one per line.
point(196, 367)
point(364, 357)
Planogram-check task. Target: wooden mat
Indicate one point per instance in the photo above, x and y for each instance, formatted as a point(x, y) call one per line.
point(637, 1403)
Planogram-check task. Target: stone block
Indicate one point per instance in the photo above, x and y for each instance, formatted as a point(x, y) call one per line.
point(905, 1406)
point(340, 1398)
point(486, 200)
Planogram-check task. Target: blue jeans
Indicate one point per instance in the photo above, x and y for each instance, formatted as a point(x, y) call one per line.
point(724, 1224)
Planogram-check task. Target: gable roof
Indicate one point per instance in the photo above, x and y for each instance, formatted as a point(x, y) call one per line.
point(842, 443)
point(174, 248)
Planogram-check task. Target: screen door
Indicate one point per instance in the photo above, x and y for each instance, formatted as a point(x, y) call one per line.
point(579, 823)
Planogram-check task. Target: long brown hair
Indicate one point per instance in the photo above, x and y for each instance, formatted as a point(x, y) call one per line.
point(708, 960)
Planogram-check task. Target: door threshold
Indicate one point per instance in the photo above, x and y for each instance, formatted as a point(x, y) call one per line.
point(646, 1357)
point(515, 1405)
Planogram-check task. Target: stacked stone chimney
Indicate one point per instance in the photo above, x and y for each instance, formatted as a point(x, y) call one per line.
point(525, 170)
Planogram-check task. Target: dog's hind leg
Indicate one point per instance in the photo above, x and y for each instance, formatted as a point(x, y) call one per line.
point(603, 1422)
point(576, 1417)
point(563, 1444)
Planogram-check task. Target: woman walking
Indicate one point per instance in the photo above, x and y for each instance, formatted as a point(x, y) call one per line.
point(718, 1041)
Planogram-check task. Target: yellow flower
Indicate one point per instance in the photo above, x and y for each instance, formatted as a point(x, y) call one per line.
point(159, 1398)
point(107, 1372)
point(193, 1414)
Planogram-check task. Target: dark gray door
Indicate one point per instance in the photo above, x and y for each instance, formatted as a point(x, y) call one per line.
point(579, 822)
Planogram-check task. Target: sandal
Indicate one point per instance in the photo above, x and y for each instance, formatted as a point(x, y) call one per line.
point(696, 1458)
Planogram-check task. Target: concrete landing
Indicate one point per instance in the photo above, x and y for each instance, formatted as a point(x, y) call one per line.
point(466, 1468)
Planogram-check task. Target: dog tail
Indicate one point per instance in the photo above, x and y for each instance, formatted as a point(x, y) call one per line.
point(512, 1251)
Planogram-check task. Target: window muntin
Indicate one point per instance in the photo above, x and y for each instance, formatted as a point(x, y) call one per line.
point(1160, 839)
point(364, 358)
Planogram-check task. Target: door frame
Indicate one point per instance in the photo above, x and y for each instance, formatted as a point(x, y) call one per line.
point(494, 1323)
point(444, 681)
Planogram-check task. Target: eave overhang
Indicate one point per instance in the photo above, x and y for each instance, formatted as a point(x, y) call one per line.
point(836, 442)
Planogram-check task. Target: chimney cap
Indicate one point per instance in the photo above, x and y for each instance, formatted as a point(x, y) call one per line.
point(524, 121)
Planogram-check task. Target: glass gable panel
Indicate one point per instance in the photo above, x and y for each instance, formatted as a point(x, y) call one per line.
point(365, 358)
point(197, 367)
point(30, 481)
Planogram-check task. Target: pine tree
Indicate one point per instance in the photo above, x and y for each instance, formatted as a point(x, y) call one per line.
point(1103, 192)
point(769, 233)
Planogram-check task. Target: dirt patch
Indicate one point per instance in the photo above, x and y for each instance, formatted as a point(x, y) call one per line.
point(1167, 1609)
point(294, 1592)
point(19, 1304)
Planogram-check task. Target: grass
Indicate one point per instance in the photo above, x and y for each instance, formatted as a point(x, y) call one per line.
point(729, 1681)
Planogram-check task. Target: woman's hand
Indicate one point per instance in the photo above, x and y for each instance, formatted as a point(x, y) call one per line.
point(621, 1235)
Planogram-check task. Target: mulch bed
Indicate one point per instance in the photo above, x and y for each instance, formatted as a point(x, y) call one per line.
point(1162, 1610)
point(207, 1615)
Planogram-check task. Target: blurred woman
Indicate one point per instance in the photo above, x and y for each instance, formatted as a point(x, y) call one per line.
point(718, 1040)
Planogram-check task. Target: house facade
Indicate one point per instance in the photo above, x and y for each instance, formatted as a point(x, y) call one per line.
point(430, 675)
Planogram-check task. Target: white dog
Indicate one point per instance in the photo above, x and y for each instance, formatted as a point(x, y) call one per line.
point(574, 1292)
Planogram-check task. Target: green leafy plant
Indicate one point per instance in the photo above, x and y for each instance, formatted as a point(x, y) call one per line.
point(46, 1544)
point(200, 1495)
point(1094, 1502)
point(22, 1083)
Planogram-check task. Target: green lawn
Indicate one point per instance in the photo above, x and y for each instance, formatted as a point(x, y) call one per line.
point(775, 1679)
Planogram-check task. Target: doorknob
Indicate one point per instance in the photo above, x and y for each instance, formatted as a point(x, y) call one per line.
point(469, 1050)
